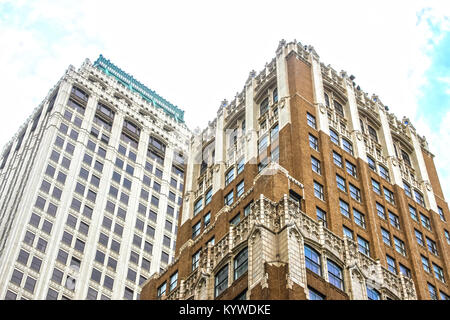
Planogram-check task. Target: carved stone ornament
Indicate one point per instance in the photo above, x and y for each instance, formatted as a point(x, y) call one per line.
point(428, 185)
point(322, 108)
point(394, 161)
point(358, 135)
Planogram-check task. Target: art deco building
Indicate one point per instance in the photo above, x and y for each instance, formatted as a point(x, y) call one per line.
point(90, 189)
point(305, 187)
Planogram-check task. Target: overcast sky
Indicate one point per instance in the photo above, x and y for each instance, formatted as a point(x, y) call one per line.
point(197, 53)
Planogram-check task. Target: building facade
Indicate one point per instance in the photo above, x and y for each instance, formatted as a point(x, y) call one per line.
point(304, 187)
point(90, 189)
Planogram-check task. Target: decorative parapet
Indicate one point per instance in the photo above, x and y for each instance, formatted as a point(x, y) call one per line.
point(333, 79)
point(267, 74)
point(276, 217)
point(128, 81)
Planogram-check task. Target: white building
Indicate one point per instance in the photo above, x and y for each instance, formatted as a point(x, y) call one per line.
point(90, 189)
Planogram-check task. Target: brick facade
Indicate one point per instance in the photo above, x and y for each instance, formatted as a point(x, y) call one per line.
point(278, 228)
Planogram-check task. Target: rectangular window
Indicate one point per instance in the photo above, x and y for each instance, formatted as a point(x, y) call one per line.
point(262, 164)
point(380, 211)
point(438, 272)
point(337, 159)
point(30, 283)
point(441, 214)
point(262, 144)
point(166, 241)
point(161, 290)
point(347, 232)
point(240, 263)
point(341, 183)
point(344, 208)
point(399, 246)
point(195, 260)
point(425, 264)
point(334, 137)
point(432, 246)
point(389, 196)
point(208, 196)
point(29, 238)
point(407, 189)
point(240, 166)
point(240, 189)
point(425, 221)
point(338, 107)
point(376, 187)
point(419, 237)
point(313, 142)
point(391, 264)
point(432, 291)
point(311, 120)
point(394, 220)
point(236, 219)
point(351, 168)
point(355, 193)
point(384, 173)
point(419, 198)
point(229, 176)
point(372, 133)
point(173, 281)
point(372, 164)
point(36, 264)
point(207, 219)
point(315, 165)
point(405, 271)
point(264, 106)
point(315, 295)
point(413, 213)
point(321, 216)
point(196, 230)
point(247, 209)
point(221, 281)
point(229, 198)
point(363, 246)
point(347, 146)
point(274, 134)
point(359, 218)
point(386, 236)
point(198, 206)
point(318, 190)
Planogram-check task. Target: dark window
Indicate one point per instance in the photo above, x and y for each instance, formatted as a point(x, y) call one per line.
point(240, 263)
point(221, 281)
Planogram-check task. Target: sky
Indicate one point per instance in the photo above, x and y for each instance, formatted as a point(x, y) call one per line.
point(197, 53)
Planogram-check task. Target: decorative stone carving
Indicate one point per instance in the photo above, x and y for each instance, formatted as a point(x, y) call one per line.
point(322, 108)
point(268, 220)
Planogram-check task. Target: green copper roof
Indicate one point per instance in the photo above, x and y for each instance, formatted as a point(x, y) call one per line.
point(128, 81)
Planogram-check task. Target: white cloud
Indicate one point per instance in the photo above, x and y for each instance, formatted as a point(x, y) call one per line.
point(196, 53)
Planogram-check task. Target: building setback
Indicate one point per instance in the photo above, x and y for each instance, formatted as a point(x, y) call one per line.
point(304, 187)
point(90, 189)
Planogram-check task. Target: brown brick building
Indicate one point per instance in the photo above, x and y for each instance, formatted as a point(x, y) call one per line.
point(304, 187)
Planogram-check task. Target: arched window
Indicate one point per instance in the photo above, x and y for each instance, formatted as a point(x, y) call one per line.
point(335, 276)
point(312, 259)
